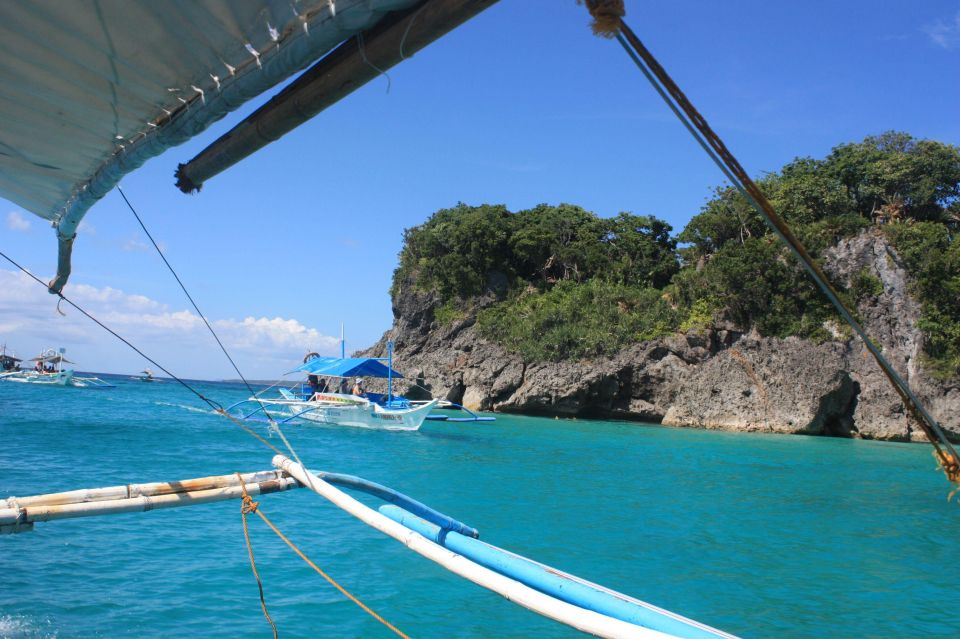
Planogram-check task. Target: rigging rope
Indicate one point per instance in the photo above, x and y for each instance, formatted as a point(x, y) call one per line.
point(274, 426)
point(603, 12)
point(184, 288)
point(250, 506)
point(215, 405)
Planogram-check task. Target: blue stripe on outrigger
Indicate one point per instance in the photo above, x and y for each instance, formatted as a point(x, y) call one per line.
point(433, 517)
point(556, 583)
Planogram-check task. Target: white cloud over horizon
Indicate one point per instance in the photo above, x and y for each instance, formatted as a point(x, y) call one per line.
point(263, 347)
point(17, 222)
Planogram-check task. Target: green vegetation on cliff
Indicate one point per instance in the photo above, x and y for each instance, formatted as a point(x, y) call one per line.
point(569, 284)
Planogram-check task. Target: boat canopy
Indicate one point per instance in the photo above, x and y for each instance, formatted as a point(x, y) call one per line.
point(91, 89)
point(55, 358)
point(346, 367)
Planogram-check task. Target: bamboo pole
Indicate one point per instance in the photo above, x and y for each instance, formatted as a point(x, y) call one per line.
point(543, 604)
point(135, 490)
point(18, 518)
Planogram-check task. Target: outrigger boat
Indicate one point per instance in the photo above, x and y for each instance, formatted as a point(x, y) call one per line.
point(327, 400)
point(145, 376)
point(8, 362)
point(49, 371)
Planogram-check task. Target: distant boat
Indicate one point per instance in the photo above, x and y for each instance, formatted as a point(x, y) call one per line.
point(145, 376)
point(48, 370)
point(8, 363)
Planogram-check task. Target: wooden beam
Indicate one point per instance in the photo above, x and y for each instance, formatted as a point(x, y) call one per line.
point(350, 66)
point(19, 514)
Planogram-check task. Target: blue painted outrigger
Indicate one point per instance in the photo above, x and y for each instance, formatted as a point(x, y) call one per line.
point(464, 540)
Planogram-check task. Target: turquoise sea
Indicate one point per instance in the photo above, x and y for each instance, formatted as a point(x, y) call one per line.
point(759, 535)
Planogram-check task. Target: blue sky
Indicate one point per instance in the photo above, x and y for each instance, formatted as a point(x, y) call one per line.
point(522, 105)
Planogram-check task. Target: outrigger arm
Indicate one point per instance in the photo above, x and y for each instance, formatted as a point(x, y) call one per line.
point(549, 592)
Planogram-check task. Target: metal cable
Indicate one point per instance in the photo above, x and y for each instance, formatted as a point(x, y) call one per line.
point(273, 424)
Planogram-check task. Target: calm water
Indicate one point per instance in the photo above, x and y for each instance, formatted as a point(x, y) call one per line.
point(762, 536)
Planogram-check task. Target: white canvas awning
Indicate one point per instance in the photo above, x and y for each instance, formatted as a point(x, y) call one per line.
point(91, 89)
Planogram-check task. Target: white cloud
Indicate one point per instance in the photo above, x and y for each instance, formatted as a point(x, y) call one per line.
point(945, 34)
point(135, 244)
point(178, 339)
point(17, 222)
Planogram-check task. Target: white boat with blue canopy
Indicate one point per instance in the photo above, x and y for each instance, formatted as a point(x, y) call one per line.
point(49, 371)
point(328, 401)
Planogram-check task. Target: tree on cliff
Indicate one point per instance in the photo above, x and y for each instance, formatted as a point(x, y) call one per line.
point(581, 285)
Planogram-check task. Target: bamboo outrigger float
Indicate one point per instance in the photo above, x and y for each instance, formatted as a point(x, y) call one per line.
point(447, 542)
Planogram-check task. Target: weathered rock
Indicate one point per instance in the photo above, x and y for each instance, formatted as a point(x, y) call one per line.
point(720, 378)
point(768, 384)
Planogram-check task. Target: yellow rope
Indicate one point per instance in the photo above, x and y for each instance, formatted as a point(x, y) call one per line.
point(253, 507)
point(250, 506)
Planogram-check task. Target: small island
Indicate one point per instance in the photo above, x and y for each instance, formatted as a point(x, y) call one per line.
point(556, 311)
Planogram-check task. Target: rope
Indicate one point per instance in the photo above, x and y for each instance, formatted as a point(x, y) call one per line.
point(184, 289)
point(64, 298)
point(250, 506)
point(363, 56)
point(273, 425)
point(606, 16)
point(216, 406)
point(697, 125)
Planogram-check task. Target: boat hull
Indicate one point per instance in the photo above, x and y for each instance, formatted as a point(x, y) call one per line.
point(63, 378)
point(356, 412)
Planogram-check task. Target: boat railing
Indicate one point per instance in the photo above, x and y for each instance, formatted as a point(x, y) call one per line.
point(92, 382)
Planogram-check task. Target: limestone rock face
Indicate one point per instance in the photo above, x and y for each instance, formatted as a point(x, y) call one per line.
point(720, 379)
point(772, 385)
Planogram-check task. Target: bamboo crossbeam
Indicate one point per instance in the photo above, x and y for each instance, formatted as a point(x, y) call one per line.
point(135, 490)
point(19, 517)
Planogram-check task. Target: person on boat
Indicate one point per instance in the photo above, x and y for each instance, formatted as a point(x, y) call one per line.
point(344, 388)
point(39, 366)
point(314, 383)
point(358, 388)
point(322, 385)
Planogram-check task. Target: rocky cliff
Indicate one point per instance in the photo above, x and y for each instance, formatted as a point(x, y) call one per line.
point(720, 378)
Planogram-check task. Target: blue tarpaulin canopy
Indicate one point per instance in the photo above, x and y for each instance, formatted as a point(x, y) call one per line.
point(346, 367)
